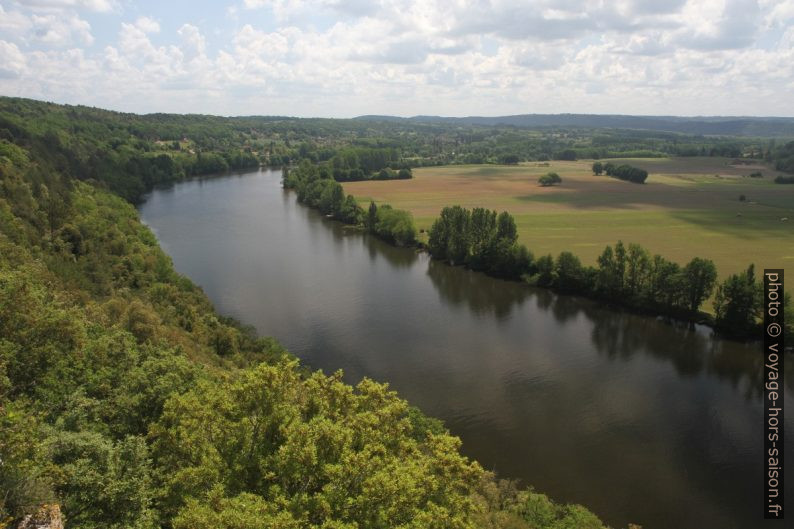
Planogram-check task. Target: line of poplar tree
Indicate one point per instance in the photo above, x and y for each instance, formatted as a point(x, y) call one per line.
point(626, 275)
point(481, 240)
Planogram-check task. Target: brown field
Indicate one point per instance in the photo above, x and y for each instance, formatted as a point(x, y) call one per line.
point(688, 207)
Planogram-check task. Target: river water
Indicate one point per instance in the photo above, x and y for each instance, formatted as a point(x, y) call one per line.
point(640, 420)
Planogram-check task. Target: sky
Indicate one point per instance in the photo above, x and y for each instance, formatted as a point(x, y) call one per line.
point(334, 58)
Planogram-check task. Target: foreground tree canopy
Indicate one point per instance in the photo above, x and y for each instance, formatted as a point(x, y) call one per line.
point(128, 401)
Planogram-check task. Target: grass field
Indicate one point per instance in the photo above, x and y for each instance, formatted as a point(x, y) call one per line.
point(688, 207)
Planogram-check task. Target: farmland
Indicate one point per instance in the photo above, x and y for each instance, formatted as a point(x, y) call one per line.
point(688, 207)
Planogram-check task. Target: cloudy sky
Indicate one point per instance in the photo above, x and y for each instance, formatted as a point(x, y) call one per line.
point(336, 58)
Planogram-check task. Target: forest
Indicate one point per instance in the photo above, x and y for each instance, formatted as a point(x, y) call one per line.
point(129, 403)
point(129, 153)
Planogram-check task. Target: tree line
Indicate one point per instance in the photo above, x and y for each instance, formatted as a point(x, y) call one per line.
point(316, 187)
point(368, 163)
point(623, 171)
point(783, 157)
point(626, 275)
point(481, 240)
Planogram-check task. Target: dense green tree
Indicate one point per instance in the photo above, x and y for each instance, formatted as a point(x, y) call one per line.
point(611, 266)
point(626, 172)
point(663, 287)
point(738, 303)
point(396, 226)
point(308, 447)
point(569, 274)
point(697, 282)
point(565, 154)
point(482, 232)
point(637, 270)
point(331, 199)
point(350, 212)
point(506, 227)
point(549, 179)
point(481, 240)
point(372, 215)
point(545, 271)
point(104, 484)
point(449, 235)
point(598, 168)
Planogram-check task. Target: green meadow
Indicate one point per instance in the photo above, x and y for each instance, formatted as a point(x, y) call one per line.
point(688, 207)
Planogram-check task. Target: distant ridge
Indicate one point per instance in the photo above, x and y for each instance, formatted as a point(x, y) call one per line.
point(707, 125)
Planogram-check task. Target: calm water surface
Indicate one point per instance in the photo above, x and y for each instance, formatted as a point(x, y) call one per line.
point(637, 419)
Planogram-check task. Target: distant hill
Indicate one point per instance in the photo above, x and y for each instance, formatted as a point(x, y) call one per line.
point(732, 126)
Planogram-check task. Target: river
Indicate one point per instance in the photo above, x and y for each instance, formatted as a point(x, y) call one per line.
point(639, 420)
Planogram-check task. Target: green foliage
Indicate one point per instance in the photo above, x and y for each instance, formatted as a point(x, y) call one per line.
point(365, 163)
point(783, 158)
point(315, 188)
point(124, 152)
point(539, 511)
point(626, 172)
point(25, 480)
point(697, 282)
point(738, 303)
point(480, 240)
point(629, 276)
point(102, 483)
point(395, 225)
point(549, 179)
point(316, 447)
point(565, 154)
point(372, 216)
point(569, 274)
point(130, 153)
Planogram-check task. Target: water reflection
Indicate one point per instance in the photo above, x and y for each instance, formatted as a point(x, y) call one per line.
point(459, 286)
point(397, 257)
point(692, 350)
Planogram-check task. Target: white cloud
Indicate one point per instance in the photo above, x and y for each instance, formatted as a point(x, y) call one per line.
point(779, 12)
point(147, 25)
point(13, 23)
point(12, 61)
point(418, 56)
point(61, 30)
point(193, 42)
point(101, 6)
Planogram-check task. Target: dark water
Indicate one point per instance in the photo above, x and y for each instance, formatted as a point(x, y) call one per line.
point(639, 420)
